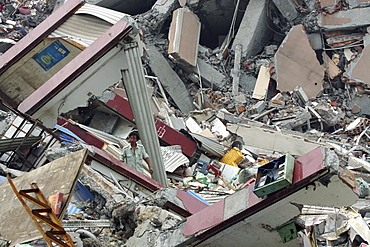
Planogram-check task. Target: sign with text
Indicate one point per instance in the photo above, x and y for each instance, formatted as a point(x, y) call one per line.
point(51, 55)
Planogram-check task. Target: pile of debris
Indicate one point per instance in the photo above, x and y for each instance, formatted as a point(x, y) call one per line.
point(17, 18)
point(246, 108)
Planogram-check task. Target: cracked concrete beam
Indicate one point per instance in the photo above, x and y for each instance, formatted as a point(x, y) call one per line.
point(253, 32)
point(170, 80)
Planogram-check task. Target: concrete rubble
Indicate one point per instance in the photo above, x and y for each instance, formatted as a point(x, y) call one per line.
point(255, 115)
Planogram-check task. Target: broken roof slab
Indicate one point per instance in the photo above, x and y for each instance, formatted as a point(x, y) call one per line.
point(296, 64)
point(97, 19)
point(345, 19)
point(253, 32)
point(58, 176)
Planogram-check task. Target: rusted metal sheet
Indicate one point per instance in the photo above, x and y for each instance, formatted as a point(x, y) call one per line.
point(166, 134)
point(73, 69)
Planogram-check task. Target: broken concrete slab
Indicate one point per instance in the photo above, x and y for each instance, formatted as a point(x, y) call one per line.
point(169, 79)
point(184, 36)
point(345, 19)
point(253, 32)
point(273, 140)
point(58, 176)
point(296, 64)
point(362, 104)
point(358, 3)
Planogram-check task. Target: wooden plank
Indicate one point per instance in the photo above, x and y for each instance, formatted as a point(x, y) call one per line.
point(57, 176)
point(262, 84)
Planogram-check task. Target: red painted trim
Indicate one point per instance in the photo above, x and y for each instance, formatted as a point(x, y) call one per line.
point(208, 217)
point(192, 204)
point(83, 134)
point(74, 68)
point(122, 106)
point(165, 133)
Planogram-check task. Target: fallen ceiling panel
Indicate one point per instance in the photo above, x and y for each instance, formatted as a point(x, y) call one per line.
point(296, 64)
point(58, 176)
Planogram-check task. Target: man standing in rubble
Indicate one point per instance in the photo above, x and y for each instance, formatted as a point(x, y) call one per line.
point(135, 153)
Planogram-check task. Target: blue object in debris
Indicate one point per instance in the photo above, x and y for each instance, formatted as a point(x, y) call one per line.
point(82, 194)
point(198, 197)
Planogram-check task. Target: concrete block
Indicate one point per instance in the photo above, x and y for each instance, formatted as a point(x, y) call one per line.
point(316, 41)
point(253, 33)
point(247, 82)
point(258, 107)
point(170, 80)
point(184, 36)
point(236, 203)
point(287, 8)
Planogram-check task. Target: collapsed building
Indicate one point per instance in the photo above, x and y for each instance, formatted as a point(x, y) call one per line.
point(254, 114)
